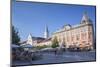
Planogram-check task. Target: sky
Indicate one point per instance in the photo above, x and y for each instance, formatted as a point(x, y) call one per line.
point(32, 17)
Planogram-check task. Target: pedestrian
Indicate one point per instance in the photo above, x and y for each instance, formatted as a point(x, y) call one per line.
point(55, 52)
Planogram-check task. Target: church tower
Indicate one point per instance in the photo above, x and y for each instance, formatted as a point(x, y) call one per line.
point(46, 32)
point(85, 19)
point(29, 39)
point(88, 30)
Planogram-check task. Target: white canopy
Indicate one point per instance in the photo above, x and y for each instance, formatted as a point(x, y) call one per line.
point(27, 46)
point(14, 46)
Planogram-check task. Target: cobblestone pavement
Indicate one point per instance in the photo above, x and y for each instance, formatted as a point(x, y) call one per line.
point(61, 58)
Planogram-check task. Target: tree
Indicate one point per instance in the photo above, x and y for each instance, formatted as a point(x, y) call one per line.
point(41, 47)
point(55, 43)
point(15, 36)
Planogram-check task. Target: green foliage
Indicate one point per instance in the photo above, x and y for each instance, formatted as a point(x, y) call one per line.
point(41, 47)
point(55, 43)
point(15, 36)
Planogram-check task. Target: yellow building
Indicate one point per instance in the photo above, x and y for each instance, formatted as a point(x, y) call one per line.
point(80, 35)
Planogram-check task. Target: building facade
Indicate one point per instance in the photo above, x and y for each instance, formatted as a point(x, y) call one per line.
point(80, 35)
point(39, 41)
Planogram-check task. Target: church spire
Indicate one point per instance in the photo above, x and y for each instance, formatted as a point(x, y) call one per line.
point(29, 39)
point(29, 36)
point(46, 32)
point(85, 18)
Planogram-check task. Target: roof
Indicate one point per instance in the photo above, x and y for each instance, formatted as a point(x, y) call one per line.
point(38, 38)
point(85, 18)
point(22, 42)
point(45, 40)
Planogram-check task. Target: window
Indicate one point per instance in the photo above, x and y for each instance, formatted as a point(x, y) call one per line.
point(67, 39)
point(90, 36)
point(72, 38)
point(77, 37)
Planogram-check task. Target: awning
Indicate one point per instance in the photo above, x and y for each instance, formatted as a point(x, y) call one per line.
point(14, 46)
point(27, 46)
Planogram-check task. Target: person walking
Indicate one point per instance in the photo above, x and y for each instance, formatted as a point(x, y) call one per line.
point(55, 51)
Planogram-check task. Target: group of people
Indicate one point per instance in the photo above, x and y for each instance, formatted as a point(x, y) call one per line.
point(18, 54)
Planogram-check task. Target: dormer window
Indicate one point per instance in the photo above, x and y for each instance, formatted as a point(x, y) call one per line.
point(67, 26)
point(83, 21)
